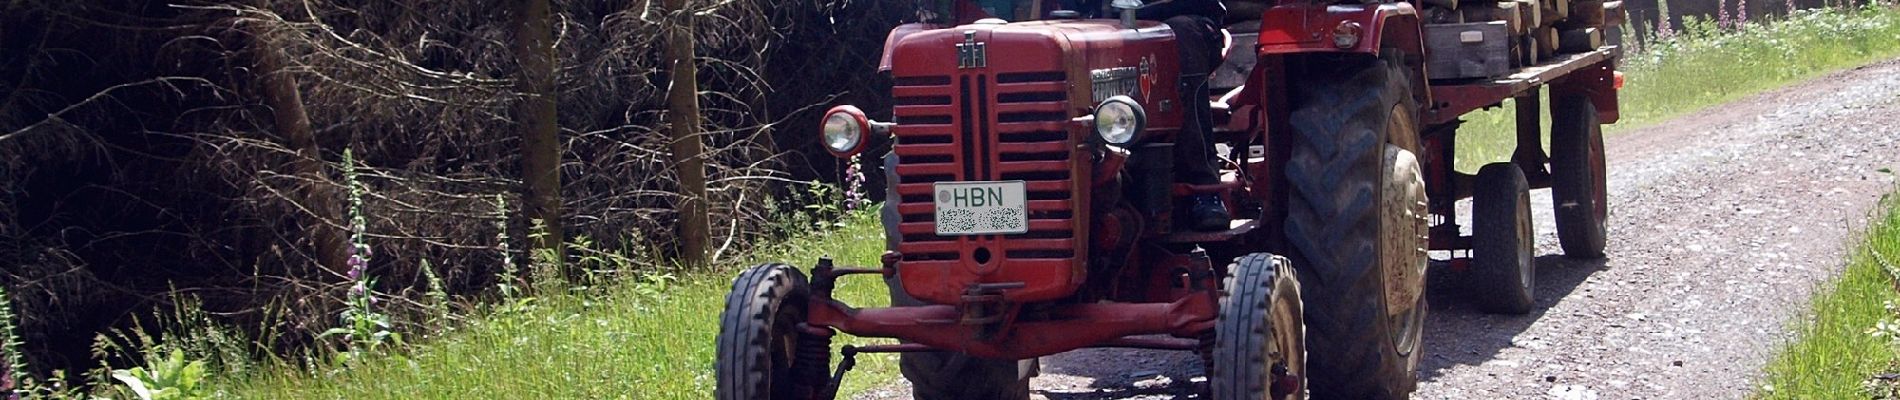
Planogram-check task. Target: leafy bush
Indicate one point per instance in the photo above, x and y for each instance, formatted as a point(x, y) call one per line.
point(169, 378)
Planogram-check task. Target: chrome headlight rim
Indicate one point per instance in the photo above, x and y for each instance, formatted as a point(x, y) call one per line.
point(1119, 120)
point(844, 131)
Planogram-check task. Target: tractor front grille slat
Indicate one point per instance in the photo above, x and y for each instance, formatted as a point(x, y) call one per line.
point(944, 133)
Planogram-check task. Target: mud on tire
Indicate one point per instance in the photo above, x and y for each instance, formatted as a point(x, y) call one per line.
point(1341, 119)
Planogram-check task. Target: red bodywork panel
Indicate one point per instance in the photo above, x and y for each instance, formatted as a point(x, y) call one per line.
point(1009, 119)
point(1305, 28)
point(1308, 28)
point(1598, 82)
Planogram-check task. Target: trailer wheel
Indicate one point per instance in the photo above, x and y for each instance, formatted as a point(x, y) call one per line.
point(762, 355)
point(1356, 223)
point(1260, 338)
point(1578, 183)
point(947, 375)
point(1503, 271)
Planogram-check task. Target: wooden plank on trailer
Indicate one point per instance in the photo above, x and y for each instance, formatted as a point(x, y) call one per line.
point(1454, 100)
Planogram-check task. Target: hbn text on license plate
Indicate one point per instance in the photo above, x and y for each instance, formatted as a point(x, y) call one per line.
point(981, 208)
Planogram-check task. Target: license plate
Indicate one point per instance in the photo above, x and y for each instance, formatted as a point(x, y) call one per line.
point(981, 208)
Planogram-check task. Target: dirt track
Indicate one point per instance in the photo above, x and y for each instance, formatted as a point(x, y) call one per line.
point(1722, 223)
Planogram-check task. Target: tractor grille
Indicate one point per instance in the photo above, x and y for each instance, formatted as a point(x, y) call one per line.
point(982, 125)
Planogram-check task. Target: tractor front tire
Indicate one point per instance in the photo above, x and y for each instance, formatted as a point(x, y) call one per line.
point(762, 355)
point(1260, 337)
point(1503, 271)
point(1578, 189)
point(1357, 225)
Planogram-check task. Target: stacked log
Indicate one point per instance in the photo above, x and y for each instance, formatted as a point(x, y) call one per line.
point(1537, 29)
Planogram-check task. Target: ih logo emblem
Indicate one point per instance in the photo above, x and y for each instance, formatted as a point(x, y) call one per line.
point(970, 53)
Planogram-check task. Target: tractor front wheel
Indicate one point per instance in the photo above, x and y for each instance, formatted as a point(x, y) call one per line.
point(1503, 271)
point(762, 355)
point(1260, 337)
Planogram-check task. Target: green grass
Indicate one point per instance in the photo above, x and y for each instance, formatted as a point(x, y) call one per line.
point(1703, 68)
point(1835, 350)
point(628, 344)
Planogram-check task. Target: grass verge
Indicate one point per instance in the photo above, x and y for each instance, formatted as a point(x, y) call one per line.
point(1704, 67)
point(650, 340)
point(1848, 336)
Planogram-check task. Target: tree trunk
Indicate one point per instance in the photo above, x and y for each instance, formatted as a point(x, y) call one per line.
point(288, 120)
point(683, 119)
point(540, 141)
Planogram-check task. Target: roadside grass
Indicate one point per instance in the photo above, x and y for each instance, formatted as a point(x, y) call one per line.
point(1704, 67)
point(1848, 336)
point(650, 339)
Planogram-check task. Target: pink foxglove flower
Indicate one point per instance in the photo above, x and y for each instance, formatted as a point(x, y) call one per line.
point(854, 185)
point(1721, 15)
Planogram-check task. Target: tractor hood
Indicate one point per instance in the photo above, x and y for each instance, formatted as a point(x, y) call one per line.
point(1099, 57)
point(994, 102)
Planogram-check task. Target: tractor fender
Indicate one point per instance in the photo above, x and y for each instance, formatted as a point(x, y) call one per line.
point(1313, 28)
point(1386, 30)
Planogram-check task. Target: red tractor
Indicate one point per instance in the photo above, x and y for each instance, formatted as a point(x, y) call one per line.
point(1031, 203)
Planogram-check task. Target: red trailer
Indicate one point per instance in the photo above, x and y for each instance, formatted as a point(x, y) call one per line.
point(1031, 202)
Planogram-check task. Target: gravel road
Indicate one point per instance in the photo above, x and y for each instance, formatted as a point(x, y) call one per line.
point(1722, 224)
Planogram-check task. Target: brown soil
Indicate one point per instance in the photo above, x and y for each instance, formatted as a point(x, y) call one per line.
point(1722, 224)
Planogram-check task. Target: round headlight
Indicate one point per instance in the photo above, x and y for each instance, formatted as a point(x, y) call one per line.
point(1119, 120)
point(845, 130)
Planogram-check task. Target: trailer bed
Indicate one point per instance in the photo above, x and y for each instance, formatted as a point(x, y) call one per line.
point(1455, 99)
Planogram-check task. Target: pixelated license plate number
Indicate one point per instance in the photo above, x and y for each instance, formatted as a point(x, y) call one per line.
point(981, 208)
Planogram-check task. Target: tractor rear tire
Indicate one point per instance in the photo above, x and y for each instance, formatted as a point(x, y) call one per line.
point(1503, 268)
point(1578, 183)
point(1356, 223)
point(947, 375)
point(1260, 338)
point(762, 355)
